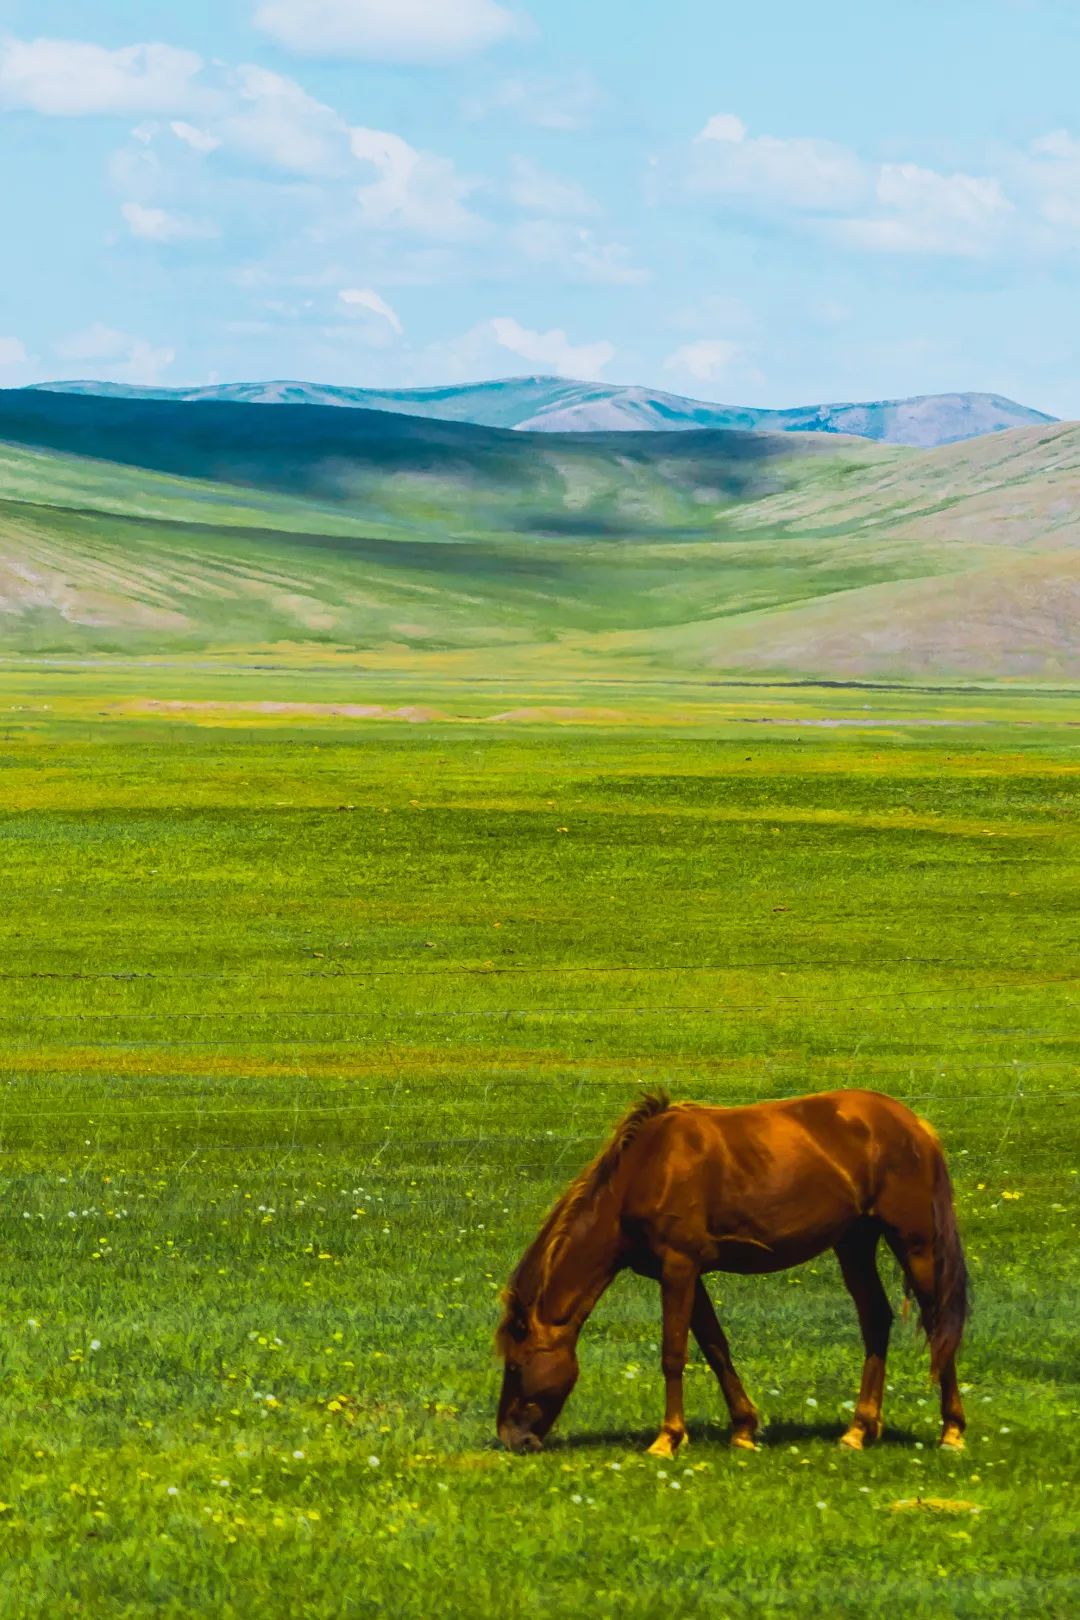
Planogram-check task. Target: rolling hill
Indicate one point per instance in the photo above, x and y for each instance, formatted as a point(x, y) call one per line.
point(557, 405)
point(139, 526)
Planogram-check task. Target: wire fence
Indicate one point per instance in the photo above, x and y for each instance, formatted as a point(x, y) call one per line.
point(332, 1109)
point(924, 998)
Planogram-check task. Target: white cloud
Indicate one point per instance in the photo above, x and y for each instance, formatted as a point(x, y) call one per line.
point(724, 127)
point(552, 350)
point(1059, 144)
point(414, 191)
point(538, 191)
point(12, 352)
point(1050, 174)
point(197, 139)
point(157, 225)
point(497, 348)
point(121, 357)
point(263, 115)
point(363, 192)
point(877, 207)
point(251, 118)
point(920, 211)
point(365, 298)
point(810, 176)
point(577, 252)
point(705, 360)
point(388, 30)
point(69, 78)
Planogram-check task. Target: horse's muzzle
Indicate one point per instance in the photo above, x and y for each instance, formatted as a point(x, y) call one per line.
point(520, 1441)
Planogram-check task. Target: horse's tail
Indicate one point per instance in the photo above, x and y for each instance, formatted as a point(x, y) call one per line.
point(951, 1300)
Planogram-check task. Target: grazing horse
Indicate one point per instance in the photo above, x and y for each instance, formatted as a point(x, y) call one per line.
point(682, 1189)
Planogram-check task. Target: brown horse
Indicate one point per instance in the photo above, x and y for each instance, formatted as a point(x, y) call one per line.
point(682, 1189)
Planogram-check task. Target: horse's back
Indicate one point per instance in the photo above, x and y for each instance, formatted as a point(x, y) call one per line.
point(832, 1155)
point(821, 1114)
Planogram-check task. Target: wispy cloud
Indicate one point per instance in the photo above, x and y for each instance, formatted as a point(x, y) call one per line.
point(196, 138)
point(12, 352)
point(539, 192)
point(273, 120)
point(556, 103)
point(158, 225)
point(366, 300)
point(1050, 174)
point(117, 356)
point(706, 360)
point(414, 191)
point(577, 252)
point(420, 31)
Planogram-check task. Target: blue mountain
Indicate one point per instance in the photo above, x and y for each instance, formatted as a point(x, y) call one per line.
point(561, 405)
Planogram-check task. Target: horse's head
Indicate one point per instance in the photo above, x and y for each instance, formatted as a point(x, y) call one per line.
point(540, 1371)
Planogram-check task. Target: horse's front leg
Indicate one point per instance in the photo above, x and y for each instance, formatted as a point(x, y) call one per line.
point(678, 1280)
point(714, 1347)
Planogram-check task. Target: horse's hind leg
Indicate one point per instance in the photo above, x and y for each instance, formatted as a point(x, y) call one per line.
point(714, 1347)
point(916, 1257)
point(856, 1254)
point(678, 1277)
point(953, 1421)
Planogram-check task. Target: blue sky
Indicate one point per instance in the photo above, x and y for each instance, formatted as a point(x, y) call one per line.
point(768, 205)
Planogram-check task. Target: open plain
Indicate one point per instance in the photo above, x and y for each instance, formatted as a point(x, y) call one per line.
point(319, 983)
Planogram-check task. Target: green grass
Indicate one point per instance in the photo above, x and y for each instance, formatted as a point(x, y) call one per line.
point(287, 1086)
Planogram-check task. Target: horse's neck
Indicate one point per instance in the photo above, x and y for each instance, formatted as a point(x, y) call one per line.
point(585, 1265)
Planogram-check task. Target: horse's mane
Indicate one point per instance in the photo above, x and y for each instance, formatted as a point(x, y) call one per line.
point(535, 1267)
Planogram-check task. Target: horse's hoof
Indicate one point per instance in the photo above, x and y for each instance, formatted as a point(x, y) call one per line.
point(743, 1440)
point(952, 1438)
point(666, 1445)
point(861, 1435)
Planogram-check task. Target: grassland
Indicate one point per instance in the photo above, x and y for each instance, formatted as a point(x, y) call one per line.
point(307, 1016)
point(139, 527)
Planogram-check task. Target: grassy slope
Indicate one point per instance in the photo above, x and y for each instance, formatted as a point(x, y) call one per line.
point(1001, 514)
point(127, 525)
point(287, 1087)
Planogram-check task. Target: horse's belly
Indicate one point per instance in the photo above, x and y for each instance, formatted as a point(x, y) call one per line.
point(749, 1258)
point(795, 1223)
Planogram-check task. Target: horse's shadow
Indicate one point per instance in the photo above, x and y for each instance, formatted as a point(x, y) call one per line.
point(718, 1434)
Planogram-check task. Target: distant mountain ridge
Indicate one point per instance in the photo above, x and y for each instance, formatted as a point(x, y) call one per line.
point(560, 405)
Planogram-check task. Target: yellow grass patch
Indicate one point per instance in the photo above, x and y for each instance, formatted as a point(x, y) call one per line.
point(934, 1504)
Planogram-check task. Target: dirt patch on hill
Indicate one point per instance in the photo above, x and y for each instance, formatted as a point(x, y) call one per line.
point(416, 714)
point(346, 711)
